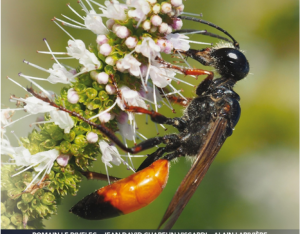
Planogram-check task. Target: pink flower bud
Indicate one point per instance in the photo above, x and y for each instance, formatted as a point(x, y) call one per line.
point(163, 28)
point(92, 137)
point(102, 78)
point(180, 8)
point(122, 32)
point(151, 1)
point(110, 23)
point(156, 8)
point(105, 49)
point(120, 66)
point(63, 160)
point(72, 96)
point(176, 3)
point(169, 30)
point(166, 7)
point(153, 29)
point(110, 89)
point(105, 117)
point(177, 24)
point(110, 61)
point(115, 27)
point(172, 13)
point(101, 39)
point(131, 42)
point(146, 25)
point(156, 20)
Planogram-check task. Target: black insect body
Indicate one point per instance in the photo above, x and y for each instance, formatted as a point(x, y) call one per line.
point(206, 123)
point(215, 99)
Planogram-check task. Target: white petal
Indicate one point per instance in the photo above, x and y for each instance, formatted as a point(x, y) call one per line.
point(62, 119)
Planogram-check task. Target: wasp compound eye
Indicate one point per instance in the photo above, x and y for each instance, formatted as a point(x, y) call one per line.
point(230, 63)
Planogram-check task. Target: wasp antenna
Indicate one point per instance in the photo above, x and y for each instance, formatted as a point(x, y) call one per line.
point(235, 43)
point(202, 32)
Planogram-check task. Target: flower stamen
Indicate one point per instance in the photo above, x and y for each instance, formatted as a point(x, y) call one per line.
point(17, 83)
point(75, 12)
point(64, 30)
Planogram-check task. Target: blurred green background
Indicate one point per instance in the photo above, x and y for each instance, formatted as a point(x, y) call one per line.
point(254, 181)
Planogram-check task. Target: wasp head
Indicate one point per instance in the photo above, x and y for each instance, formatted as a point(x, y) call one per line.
point(230, 63)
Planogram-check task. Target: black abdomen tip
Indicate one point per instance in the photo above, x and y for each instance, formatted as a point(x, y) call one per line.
point(94, 207)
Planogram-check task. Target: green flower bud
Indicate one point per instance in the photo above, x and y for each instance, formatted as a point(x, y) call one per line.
point(108, 103)
point(16, 219)
point(85, 79)
point(20, 185)
point(78, 131)
point(97, 103)
point(15, 193)
point(52, 187)
point(51, 128)
point(65, 147)
point(103, 95)
point(76, 108)
point(57, 135)
point(94, 74)
point(81, 141)
point(33, 148)
point(6, 182)
point(27, 197)
point(79, 88)
point(10, 205)
point(70, 136)
point(35, 203)
point(39, 193)
point(42, 136)
point(25, 140)
point(48, 199)
point(109, 69)
point(76, 150)
point(84, 126)
point(70, 181)
point(22, 206)
point(4, 222)
point(98, 86)
point(101, 56)
point(91, 93)
point(82, 162)
point(94, 104)
point(26, 176)
point(48, 144)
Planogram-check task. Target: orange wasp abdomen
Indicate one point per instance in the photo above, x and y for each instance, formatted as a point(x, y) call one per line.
point(126, 195)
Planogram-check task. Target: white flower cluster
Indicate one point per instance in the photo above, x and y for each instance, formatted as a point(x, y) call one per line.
point(123, 25)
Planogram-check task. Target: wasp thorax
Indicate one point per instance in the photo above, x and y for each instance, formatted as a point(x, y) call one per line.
point(230, 63)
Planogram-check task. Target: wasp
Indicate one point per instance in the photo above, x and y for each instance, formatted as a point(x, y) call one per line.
point(207, 121)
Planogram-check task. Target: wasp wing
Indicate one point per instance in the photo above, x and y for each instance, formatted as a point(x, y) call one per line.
point(188, 186)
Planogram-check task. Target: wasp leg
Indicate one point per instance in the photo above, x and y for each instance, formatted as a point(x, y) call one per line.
point(176, 154)
point(179, 100)
point(157, 117)
point(185, 71)
point(90, 175)
point(172, 142)
point(164, 92)
point(149, 143)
